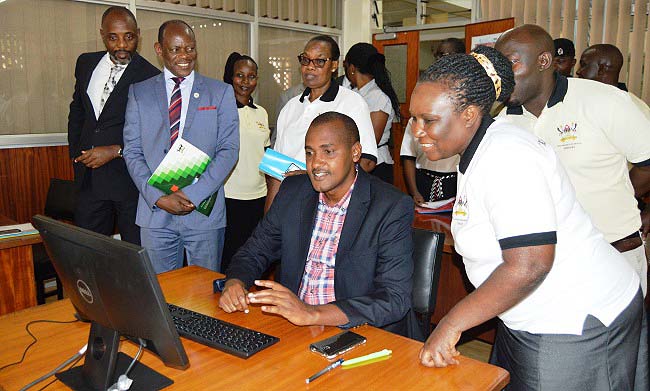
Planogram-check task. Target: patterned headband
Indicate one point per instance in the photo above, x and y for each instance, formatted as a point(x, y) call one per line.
point(489, 69)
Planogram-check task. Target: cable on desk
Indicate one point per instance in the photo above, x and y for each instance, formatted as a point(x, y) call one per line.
point(34, 338)
point(72, 360)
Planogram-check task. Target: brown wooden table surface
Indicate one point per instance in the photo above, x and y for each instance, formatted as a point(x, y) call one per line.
point(17, 282)
point(283, 366)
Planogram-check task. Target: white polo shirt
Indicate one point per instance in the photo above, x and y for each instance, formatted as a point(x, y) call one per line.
point(299, 112)
point(513, 192)
point(246, 181)
point(377, 100)
point(411, 149)
point(595, 129)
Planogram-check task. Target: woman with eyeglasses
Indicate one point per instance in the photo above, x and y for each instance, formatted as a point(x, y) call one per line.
point(246, 186)
point(366, 69)
point(569, 304)
point(319, 63)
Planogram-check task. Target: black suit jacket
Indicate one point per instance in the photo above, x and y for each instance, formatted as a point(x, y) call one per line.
point(374, 264)
point(112, 180)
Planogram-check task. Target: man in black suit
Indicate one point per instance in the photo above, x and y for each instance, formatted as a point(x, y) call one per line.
point(342, 236)
point(105, 191)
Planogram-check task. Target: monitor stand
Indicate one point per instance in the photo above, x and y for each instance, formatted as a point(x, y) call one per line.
point(104, 364)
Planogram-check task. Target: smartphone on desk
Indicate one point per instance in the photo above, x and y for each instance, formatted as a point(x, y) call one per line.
point(338, 344)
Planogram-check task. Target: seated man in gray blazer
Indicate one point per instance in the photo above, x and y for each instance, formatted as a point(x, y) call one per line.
point(180, 103)
point(342, 236)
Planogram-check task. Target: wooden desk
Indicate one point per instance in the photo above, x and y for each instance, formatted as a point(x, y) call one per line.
point(283, 366)
point(453, 285)
point(17, 286)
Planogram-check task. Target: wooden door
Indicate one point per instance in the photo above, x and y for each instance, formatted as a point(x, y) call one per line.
point(402, 54)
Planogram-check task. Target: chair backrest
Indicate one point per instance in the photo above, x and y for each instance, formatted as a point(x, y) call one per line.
point(61, 199)
point(427, 256)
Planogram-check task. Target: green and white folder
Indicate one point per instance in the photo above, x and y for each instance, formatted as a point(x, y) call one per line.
point(182, 166)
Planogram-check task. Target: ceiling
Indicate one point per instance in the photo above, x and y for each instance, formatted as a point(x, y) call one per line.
point(395, 11)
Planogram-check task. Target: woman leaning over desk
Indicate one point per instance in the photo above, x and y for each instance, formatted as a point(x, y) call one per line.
point(569, 304)
point(246, 186)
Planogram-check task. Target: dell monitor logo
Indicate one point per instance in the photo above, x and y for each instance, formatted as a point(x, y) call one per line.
point(85, 291)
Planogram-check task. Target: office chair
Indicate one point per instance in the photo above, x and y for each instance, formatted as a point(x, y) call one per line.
point(427, 256)
point(58, 205)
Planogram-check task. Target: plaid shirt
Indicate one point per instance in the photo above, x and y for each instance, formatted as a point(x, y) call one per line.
point(317, 286)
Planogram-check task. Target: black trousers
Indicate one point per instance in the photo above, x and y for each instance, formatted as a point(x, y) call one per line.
point(98, 215)
point(242, 217)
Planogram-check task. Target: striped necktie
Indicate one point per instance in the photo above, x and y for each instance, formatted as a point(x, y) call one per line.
point(110, 85)
point(175, 104)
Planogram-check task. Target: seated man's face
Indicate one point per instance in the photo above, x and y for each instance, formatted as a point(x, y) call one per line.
point(331, 159)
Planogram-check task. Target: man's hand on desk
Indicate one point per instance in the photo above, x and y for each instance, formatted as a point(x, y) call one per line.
point(280, 300)
point(234, 296)
point(440, 348)
point(98, 156)
point(176, 203)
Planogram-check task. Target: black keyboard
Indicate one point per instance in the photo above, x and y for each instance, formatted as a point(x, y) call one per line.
point(215, 333)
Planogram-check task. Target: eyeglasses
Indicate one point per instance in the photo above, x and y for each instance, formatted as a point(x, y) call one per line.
point(318, 62)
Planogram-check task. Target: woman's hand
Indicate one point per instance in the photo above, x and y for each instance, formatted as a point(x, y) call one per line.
point(440, 348)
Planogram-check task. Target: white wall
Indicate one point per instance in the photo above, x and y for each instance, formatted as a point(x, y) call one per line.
point(356, 23)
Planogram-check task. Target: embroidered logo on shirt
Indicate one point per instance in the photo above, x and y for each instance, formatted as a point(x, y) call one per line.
point(260, 125)
point(461, 209)
point(568, 132)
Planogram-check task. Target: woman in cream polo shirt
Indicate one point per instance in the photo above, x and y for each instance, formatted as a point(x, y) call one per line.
point(246, 186)
point(570, 305)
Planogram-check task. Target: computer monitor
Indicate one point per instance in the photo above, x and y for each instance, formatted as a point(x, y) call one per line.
point(112, 284)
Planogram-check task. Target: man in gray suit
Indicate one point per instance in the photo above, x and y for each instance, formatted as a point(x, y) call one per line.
point(180, 103)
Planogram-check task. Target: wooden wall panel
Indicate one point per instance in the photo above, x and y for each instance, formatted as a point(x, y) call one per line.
point(25, 177)
point(17, 287)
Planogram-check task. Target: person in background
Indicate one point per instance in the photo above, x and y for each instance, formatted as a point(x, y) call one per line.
point(603, 63)
point(366, 70)
point(581, 120)
point(105, 192)
point(449, 46)
point(245, 188)
point(564, 56)
point(181, 103)
point(570, 305)
point(426, 180)
point(283, 99)
point(318, 65)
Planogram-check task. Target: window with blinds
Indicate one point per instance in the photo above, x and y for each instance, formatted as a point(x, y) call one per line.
point(314, 12)
point(588, 22)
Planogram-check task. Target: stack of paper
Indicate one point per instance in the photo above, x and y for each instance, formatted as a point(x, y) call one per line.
point(276, 164)
point(441, 206)
point(182, 166)
point(12, 231)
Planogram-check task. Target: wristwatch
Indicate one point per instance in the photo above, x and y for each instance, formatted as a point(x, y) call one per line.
point(119, 152)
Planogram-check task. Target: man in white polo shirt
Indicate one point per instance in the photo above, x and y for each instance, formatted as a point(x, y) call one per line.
point(595, 130)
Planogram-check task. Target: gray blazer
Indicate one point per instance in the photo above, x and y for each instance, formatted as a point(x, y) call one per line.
point(211, 124)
